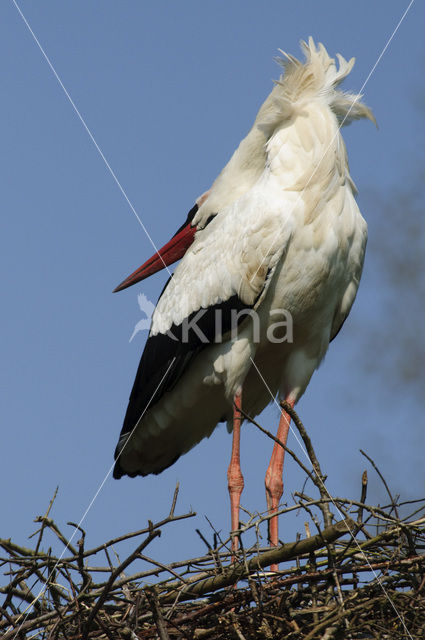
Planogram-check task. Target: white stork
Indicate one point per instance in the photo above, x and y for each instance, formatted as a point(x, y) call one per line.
point(279, 235)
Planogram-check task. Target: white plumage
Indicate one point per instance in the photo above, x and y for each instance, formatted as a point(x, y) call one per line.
point(280, 231)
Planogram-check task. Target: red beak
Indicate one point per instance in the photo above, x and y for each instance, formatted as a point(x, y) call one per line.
point(171, 252)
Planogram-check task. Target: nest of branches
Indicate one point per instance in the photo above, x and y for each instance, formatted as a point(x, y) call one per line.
point(358, 572)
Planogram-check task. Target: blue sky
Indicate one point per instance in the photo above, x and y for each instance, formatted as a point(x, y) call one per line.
point(168, 90)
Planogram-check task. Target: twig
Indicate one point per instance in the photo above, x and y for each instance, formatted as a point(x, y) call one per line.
point(162, 566)
point(280, 554)
point(116, 573)
point(174, 502)
point(87, 580)
point(128, 536)
point(384, 482)
point(152, 597)
point(327, 516)
point(43, 524)
point(48, 522)
point(362, 497)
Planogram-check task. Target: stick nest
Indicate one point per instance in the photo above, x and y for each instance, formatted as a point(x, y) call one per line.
point(357, 572)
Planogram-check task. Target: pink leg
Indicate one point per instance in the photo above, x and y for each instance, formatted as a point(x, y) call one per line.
point(234, 473)
point(274, 478)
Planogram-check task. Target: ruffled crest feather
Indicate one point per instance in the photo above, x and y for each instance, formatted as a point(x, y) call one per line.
point(318, 77)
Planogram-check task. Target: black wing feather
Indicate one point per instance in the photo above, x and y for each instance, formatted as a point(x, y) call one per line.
point(166, 357)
